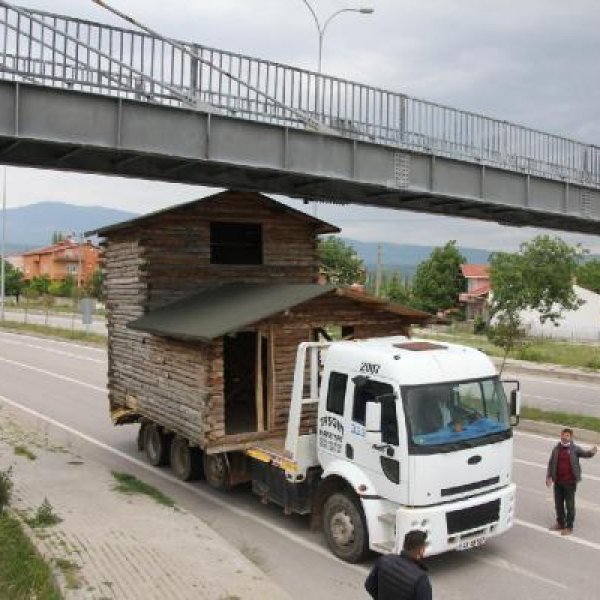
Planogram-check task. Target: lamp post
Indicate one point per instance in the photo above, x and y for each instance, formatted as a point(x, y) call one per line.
point(322, 28)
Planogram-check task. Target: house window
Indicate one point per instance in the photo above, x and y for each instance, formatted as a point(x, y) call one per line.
point(236, 244)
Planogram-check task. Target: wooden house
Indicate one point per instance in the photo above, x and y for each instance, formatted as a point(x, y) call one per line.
point(207, 303)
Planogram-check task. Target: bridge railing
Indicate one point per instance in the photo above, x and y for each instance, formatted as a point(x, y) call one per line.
point(60, 51)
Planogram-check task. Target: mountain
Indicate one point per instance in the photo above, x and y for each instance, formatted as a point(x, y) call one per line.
point(32, 226)
point(406, 257)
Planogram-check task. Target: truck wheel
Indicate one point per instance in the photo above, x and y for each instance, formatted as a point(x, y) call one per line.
point(141, 439)
point(345, 528)
point(157, 445)
point(186, 462)
point(216, 471)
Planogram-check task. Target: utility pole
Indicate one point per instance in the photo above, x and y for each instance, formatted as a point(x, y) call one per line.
point(378, 271)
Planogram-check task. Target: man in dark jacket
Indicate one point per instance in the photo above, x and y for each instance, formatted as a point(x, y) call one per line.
point(564, 471)
point(401, 577)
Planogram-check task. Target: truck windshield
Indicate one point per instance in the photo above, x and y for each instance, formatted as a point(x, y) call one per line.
point(455, 413)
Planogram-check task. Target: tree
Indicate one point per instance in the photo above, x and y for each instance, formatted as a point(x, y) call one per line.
point(13, 281)
point(539, 277)
point(41, 284)
point(396, 289)
point(340, 262)
point(94, 288)
point(437, 282)
point(588, 275)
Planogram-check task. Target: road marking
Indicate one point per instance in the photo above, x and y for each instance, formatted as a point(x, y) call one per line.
point(543, 466)
point(571, 538)
point(592, 403)
point(363, 570)
point(502, 563)
point(54, 351)
point(571, 383)
point(53, 341)
point(55, 375)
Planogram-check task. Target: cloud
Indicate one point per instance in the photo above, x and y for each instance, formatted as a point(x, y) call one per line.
point(533, 62)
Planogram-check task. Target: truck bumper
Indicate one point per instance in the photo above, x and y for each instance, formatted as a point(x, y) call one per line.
point(459, 525)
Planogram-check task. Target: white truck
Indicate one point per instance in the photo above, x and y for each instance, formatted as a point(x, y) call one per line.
point(409, 434)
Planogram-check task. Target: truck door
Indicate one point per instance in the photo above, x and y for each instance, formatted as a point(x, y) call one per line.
point(382, 462)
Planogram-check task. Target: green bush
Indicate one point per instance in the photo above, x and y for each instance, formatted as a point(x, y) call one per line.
point(479, 325)
point(6, 486)
point(530, 353)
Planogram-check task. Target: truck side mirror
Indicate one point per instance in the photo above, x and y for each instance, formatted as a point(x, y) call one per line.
point(373, 422)
point(515, 407)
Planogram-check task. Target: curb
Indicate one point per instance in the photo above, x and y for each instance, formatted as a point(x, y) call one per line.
point(547, 370)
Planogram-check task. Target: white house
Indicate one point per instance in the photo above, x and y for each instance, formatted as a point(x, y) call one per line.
point(580, 325)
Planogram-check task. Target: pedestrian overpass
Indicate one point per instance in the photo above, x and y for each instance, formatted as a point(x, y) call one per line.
point(89, 97)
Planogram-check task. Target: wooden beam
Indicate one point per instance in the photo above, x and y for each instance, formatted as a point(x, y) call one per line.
point(260, 413)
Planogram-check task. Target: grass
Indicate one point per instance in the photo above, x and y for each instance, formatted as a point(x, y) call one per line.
point(24, 451)
point(131, 485)
point(70, 571)
point(44, 516)
point(55, 332)
point(561, 418)
point(535, 350)
point(23, 574)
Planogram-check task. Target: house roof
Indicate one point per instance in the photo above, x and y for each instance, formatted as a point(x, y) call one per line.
point(475, 271)
point(320, 226)
point(216, 311)
point(63, 245)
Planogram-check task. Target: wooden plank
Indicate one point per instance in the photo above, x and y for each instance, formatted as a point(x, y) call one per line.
point(260, 416)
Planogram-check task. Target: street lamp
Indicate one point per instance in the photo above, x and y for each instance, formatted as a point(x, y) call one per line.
point(321, 28)
point(3, 251)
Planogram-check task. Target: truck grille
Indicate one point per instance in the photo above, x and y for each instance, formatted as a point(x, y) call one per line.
point(473, 517)
point(461, 489)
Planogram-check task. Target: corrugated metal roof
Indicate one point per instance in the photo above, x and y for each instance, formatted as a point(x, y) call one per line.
point(216, 311)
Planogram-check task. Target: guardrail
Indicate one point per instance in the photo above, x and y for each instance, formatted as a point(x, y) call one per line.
point(60, 51)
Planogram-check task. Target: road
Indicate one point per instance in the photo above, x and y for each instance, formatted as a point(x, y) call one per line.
point(67, 321)
point(59, 386)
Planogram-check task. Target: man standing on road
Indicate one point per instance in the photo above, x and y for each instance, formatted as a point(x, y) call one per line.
point(401, 577)
point(564, 471)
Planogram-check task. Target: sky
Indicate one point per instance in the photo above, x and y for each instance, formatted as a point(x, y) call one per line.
point(533, 62)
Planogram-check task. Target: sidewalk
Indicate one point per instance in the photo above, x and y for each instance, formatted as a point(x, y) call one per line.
point(109, 545)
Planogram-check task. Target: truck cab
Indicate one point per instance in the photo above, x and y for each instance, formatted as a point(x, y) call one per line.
point(410, 435)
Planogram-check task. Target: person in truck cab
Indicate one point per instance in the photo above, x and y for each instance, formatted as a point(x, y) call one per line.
point(401, 576)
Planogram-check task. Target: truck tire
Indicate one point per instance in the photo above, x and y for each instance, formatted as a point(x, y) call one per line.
point(141, 439)
point(186, 462)
point(157, 445)
point(216, 471)
point(345, 527)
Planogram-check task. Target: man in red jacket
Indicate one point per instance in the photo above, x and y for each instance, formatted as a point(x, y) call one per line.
point(564, 471)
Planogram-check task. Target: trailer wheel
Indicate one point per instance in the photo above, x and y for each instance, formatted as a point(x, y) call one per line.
point(216, 471)
point(157, 445)
point(345, 528)
point(186, 462)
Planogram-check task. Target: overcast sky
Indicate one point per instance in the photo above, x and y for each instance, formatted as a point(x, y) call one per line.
point(534, 62)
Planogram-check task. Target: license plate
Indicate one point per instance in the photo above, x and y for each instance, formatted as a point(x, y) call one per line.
point(472, 543)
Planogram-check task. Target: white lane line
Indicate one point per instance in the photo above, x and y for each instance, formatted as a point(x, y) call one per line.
point(571, 538)
point(363, 570)
point(52, 341)
point(543, 466)
point(51, 374)
point(592, 403)
point(54, 351)
point(570, 382)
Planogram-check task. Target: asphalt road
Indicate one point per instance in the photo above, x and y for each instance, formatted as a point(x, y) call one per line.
point(59, 387)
